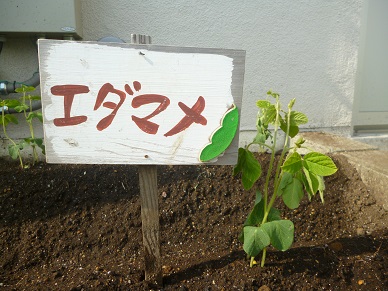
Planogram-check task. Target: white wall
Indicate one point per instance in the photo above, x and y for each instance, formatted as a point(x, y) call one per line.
point(302, 48)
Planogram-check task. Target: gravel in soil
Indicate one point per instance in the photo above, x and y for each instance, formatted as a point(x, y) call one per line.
point(78, 227)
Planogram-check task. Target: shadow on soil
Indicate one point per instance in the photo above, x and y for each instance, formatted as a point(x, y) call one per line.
point(320, 260)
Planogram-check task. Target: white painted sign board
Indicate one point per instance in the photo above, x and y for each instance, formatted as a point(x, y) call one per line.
point(115, 103)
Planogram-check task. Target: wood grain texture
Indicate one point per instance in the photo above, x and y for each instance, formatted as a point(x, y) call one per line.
point(180, 73)
point(150, 223)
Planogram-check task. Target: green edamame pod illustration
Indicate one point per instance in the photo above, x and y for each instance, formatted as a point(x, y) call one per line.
point(222, 137)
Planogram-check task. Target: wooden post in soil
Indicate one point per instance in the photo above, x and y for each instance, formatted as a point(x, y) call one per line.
point(149, 208)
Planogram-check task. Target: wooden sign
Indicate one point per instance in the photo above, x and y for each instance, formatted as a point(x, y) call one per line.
point(115, 103)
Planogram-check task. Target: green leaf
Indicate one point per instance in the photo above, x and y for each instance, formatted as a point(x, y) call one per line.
point(36, 97)
point(281, 233)
point(293, 163)
point(293, 194)
point(262, 132)
point(13, 151)
point(9, 118)
point(260, 137)
point(255, 217)
point(24, 88)
point(21, 107)
point(33, 115)
point(38, 141)
point(319, 164)
point(273, 94)
point(299, 142)
point(285, 180)
point(255, 239)
point(268, 115)
point(263, 104)
point(293, 130)
point(298, 118)
point(11, 103)
point(34, 141)
point(274, 214)
point(291, 103)
point(302, 178)
point(321, 187)
point(248, 166)
point(258, 197)
point(312, 182)
point(12, 118)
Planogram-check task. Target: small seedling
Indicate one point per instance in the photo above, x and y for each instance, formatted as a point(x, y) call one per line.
point(293, 175)
point(14, 148)
point(24, 106)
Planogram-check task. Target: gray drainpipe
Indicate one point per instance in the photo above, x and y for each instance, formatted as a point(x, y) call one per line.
point(10, 87)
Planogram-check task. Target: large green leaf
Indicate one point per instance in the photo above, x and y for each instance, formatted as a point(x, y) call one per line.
point(248, 166)
point(293, 194)
point(319, 164)
point(255, 239)
point(281, 233)
point(293, 163)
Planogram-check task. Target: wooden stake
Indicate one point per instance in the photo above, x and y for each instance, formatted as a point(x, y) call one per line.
point(149, 209)
point(150, 223)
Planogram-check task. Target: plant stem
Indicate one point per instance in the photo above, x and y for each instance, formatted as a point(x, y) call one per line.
point(263, 257)
point(252, 262)
point(267, 207)
point(34, 152)
point(10, 139)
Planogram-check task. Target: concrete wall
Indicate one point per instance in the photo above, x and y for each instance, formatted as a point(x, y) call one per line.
point(302, 48)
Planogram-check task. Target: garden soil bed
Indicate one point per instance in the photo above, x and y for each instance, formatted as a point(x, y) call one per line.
point(78, 227)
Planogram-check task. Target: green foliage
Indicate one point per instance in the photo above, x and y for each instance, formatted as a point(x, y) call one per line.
point(248, 166)
point(294, 175)
point(23, 106)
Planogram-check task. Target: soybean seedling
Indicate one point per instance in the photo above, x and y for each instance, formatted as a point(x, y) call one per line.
point(294, 175)
point(14, 148)
point(26, 108)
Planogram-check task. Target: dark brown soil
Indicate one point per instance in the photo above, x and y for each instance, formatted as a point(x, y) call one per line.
point(78, 227)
